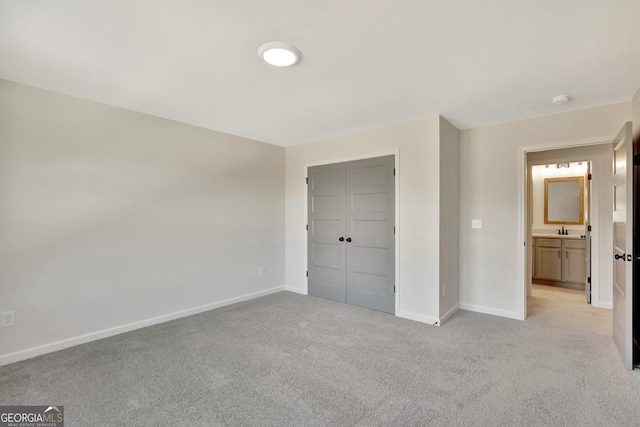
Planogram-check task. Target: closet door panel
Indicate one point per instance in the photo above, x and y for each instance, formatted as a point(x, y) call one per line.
point(326, 222)
point(370, 221)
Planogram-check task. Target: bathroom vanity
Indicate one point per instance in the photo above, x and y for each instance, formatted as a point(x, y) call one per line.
point(560, 260)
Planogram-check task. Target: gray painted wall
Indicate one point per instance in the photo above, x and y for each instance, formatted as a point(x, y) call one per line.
point(110, 218)
point(490, 276)
point(449, 218)
point(416, 144)
point(427, 225)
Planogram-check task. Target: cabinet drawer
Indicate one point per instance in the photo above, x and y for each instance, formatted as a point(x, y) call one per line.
point(549, 243)
point(577, 244)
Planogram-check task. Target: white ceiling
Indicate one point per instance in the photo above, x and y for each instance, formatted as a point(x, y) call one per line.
point(365, 63)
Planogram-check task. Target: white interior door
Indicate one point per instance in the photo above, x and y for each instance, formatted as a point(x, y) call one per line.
point(587, 233)
point(623, 244)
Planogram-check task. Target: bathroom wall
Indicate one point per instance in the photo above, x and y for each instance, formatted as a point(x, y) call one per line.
point(539, 173)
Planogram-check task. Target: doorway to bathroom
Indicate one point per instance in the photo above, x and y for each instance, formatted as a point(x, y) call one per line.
point(569, 221)
point(560, 230)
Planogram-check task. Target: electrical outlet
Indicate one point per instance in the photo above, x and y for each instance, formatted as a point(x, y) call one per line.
point(476, 223)
point(261, 272)
point(7, 318)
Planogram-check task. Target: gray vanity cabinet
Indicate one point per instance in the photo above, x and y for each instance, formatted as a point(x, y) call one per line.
point(560, 259)
point(549, 259)
point(574, 261)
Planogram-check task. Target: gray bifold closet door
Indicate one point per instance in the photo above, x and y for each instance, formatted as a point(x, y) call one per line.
point(351, 242)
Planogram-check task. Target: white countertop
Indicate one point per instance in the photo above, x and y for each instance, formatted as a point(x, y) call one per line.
point(556, 235)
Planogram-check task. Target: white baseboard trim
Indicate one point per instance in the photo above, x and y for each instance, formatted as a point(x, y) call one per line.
point(300, 291)
point(489, 310)
point(418, 317)
point(607, 305)
point(449, 313)
point(29, 353)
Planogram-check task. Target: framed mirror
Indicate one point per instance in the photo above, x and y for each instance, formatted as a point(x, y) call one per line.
point(564, 200)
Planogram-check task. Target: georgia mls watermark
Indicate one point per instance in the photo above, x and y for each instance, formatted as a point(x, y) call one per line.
point(31, 416)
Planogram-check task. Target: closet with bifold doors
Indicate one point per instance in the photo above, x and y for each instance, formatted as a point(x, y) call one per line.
point(351, 232)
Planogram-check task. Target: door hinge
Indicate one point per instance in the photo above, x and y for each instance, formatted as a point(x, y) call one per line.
point(306, 180)
point(394, 171)
point(589, 177)
point(307, 226)
point(589, 228)
point(307, 273)
point(394, 230)
point(394, 289)
point(588, 279)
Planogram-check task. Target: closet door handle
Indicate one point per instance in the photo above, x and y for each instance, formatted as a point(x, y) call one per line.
point(341, 239)
point(348, 239)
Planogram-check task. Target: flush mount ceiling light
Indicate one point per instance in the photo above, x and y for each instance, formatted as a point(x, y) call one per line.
point(279, 54)
point(560, 99)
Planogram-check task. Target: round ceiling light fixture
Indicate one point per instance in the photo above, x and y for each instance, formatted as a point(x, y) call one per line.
point(279, 54)
point(560, 99)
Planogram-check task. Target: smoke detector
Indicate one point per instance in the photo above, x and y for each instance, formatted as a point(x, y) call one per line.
point(560, 99)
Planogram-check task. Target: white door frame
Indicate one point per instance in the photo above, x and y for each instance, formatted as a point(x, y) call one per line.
point(594, 217)
point(396, 154)
point(523, 226)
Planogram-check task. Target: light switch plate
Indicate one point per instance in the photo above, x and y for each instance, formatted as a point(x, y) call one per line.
point(476, 223)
